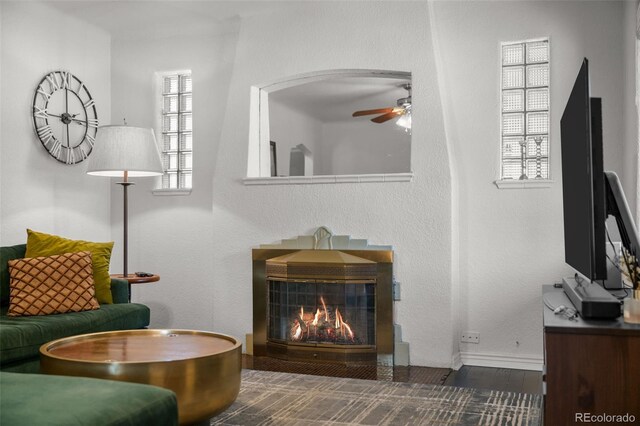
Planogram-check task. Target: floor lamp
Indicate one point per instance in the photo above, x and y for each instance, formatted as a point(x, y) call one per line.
point(125, 152)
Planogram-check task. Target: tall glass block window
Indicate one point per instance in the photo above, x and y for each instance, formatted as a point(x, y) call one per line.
point(177, 127)
point(525, 110)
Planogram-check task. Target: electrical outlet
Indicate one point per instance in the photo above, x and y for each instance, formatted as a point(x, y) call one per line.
point(470, 337)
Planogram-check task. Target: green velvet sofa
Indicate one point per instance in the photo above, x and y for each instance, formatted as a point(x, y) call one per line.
point(21, 337)
point(38, 399)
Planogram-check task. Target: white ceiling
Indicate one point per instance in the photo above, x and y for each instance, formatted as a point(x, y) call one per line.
point(328, 100)
point(337, 99)
point(143, 19)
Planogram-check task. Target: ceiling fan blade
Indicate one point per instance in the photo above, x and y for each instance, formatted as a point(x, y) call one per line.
point(386, 117)
point(372, 111)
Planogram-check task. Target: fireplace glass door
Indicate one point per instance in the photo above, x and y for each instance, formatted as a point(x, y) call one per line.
point(315, 313)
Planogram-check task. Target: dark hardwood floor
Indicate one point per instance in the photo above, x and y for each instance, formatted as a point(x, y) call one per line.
point(501, 379)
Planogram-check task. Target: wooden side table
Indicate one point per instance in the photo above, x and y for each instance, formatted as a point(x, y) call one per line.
point(134, 279)
point(591, 365)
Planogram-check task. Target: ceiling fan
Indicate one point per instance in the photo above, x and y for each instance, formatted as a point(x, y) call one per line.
point(403, 108)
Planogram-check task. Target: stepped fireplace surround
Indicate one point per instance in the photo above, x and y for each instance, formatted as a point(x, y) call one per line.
point(323, 305)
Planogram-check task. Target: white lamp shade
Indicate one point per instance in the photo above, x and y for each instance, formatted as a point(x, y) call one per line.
point(405, 121)
point(124, 148)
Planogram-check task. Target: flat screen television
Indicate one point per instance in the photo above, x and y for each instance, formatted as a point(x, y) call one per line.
point(590, 194)
point(583, 187)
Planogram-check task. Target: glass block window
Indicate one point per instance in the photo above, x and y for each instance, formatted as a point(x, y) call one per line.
point(524, 135)
point(177, 126)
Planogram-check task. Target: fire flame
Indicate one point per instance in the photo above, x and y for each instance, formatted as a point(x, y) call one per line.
point(296, 330)
point(344, 327)
point(311, 324)
point(325, 310)
point(348, 329)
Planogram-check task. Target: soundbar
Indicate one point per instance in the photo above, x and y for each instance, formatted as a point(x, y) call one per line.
point(591, 300)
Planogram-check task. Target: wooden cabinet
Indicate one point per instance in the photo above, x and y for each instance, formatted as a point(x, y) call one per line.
point(592, 367)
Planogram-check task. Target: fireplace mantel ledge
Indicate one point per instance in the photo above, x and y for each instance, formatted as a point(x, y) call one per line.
point(301, 180)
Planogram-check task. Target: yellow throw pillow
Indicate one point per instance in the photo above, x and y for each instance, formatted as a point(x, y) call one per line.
point(52, 285)
point(41, 244)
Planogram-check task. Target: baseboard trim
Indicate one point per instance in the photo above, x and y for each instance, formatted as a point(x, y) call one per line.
point(456, 361)
point(518, 362)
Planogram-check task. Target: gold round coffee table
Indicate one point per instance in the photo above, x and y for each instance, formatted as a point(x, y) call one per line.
point(202, 368)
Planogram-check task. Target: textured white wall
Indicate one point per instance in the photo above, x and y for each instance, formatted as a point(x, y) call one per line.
point(507, 243)
point(414, 217)
point(38, 192)
point(363, 147)
point(289, 127)
point(511, 241)
point(1, 209)
point(173, 235)
point(206, 276)
point(631, 137)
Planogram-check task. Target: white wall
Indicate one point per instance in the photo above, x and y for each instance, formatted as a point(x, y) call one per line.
point(289, 127)
point(173, 235)
point(506, 242)
point(1, 233)
point(631, 138)
point(511, 241)
point(414, 217)
point(361, 147)
point(38, 192)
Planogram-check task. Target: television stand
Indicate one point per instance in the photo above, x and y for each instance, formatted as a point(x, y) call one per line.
point(591, 300)
point(590, 366)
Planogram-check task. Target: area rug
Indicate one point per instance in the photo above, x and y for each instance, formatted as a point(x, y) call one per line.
point(273, 398)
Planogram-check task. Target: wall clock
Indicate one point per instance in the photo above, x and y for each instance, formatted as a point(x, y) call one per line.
point(65, 117)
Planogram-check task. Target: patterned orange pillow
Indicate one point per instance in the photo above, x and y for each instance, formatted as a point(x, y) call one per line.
point(51, 285)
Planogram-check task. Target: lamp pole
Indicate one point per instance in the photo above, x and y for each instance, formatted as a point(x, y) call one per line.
point(125, 240)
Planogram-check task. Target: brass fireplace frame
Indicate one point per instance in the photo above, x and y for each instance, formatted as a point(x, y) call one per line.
point(381, 354)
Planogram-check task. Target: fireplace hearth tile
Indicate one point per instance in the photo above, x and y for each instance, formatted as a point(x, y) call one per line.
point(408, 374)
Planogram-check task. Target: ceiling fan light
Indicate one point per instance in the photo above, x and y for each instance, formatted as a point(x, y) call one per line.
point(405, 121)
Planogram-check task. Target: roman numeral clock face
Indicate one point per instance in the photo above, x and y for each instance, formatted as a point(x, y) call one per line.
point(65, 117)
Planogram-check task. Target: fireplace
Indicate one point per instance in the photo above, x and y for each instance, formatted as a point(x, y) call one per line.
point(321, 313)
point(323, 305)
